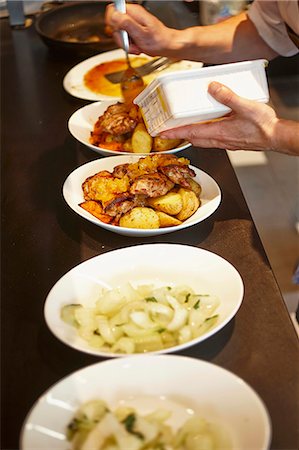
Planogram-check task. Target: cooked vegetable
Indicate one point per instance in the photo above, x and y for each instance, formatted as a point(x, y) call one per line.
point(141, 140)
point(68, 314)
point(95, 208)
point(161, 145)
point(195, 187)
point(170, 203)
point(128, 146)
point(166, 220)
point(136, 320)
point(95, 427)
point(190, 204)
point(140, 217)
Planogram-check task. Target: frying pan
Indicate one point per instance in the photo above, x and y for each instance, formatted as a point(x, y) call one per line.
point(75, 28)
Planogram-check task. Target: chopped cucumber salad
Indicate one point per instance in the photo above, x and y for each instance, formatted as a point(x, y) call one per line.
point(95, 427)
point(128, 320)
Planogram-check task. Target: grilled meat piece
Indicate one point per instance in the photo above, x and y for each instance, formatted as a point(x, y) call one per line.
point(123, 203)
point(151, 185)
point(117, 120)
point(178, 174)
point(120, 204)
point(120, 170)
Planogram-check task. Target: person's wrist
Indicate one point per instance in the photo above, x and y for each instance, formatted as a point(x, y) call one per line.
point(170, 45)
point(285, 137)
point(273, 135)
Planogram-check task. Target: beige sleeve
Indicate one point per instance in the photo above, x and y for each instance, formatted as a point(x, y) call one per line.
point(270, 25)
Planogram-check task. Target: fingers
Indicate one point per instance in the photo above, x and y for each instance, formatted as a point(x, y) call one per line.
point(227, 97)
point(194, 132)
point(118, 21)
point(135, 18)
point(140, 14)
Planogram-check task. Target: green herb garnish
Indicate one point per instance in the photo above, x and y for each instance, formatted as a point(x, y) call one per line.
point(187, 297)
point(212, 317)
point(129, 423)
point(151, 299)
point(196, 305)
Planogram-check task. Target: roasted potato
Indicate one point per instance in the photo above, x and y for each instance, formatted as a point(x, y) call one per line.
point(141, 140)
point(128, 146)
point(195, 187)
point(190, 204)
point(170, 203)
point(166, 220)
point(161, 145)
point(140, 217)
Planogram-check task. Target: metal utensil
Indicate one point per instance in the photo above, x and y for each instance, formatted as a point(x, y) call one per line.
point(131, 83)
point(145, 69)
point(120, 5)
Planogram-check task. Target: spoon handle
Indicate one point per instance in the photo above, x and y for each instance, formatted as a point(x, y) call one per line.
point(120, 5)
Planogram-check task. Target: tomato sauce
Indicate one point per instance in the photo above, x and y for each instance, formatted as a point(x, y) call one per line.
point(95, 79)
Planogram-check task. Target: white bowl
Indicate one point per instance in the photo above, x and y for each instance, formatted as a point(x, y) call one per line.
point(157, 264)
point(73, 195)
point(148, 383)
point(82, 122)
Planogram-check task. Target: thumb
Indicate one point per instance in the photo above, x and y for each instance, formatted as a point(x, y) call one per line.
point(227, 97)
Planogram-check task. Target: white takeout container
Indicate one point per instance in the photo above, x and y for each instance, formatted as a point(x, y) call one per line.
point(182, 98)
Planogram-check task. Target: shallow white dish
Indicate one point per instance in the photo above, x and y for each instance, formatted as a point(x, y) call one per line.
point(157, 264)
point(73, 195)
point(73, 81)
point(82, 122)
point(147, 383)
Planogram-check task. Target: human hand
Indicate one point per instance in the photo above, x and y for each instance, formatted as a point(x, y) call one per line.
point(250, 125)
point(147, 33)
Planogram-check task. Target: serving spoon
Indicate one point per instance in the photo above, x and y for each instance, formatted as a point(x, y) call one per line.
point(131, 83)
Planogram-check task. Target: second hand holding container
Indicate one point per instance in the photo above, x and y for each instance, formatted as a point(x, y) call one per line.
point(182, 98)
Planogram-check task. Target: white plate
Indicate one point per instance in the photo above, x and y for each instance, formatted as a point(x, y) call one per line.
point(73, 81)
point(157, 264)
point(82, 122)
point(147, 383)
point(73, 195)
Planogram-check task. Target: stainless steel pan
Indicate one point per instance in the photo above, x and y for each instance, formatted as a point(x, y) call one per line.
point(76, 28)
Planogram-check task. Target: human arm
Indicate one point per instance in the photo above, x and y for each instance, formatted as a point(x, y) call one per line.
point(250, 126)
point(235, 39)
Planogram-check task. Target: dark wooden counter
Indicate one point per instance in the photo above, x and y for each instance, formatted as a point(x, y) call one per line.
point(42, 239)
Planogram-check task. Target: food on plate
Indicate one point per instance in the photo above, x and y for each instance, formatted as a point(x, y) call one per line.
point(161, 145)
point(141, 140)
point(140, 217)
point(95, 426)
point(190, 204)
point(96, 81)
point(143, 319)
point(121, 128)
point(170, 203)
point(133, 194)
point(166, 220)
